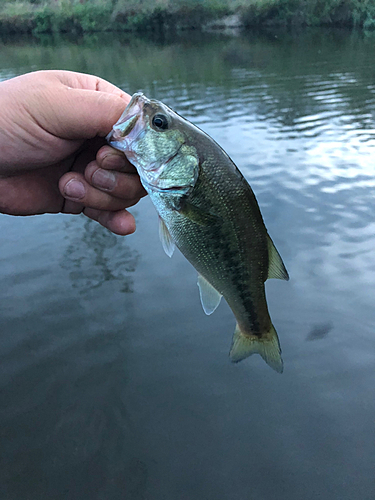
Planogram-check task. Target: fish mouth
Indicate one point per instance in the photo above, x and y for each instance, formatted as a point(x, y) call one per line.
point(125, 127)
point(129, 125)
point(156, 189)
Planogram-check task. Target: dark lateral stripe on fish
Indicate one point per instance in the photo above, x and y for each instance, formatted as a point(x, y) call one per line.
point(222, 250)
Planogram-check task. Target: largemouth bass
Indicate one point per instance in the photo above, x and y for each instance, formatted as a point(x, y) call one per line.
point(208, 210)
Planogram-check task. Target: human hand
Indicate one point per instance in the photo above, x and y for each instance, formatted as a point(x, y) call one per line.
point(52, 130)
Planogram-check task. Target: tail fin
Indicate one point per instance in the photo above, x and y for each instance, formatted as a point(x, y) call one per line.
point(268, 347)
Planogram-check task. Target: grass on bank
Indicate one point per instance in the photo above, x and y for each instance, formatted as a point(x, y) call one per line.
point(48, 16)
point(107, 15)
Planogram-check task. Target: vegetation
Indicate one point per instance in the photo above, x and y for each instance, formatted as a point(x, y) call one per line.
point(345, 13)
point(47, 16)
point(80, 16)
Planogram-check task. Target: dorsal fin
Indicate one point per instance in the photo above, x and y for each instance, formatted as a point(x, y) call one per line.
point(276, 268)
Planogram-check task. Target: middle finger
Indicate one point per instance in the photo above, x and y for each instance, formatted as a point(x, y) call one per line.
point(121, 185)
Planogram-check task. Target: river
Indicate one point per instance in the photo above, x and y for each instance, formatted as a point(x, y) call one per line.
point(114, 384)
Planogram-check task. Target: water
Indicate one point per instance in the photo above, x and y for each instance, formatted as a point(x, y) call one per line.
point(114, 384)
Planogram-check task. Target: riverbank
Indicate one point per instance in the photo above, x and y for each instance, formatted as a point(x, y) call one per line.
point(82, 16)
point(335, 13)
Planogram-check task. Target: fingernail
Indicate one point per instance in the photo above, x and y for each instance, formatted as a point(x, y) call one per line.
point(74, 189)
point(115, 161)
point(104, 179)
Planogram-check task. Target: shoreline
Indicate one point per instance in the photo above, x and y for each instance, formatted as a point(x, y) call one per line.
point(82, 16)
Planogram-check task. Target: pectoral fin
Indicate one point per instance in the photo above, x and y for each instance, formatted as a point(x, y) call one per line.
point(198, 215)
point(267, 346)
point(210, 297)
point(276, 268)
point(166, 238)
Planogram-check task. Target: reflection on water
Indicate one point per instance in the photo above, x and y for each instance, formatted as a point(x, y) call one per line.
point(94, 256)
point(65, 426)
point(108, 395)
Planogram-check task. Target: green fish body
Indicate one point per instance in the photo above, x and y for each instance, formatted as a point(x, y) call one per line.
point(209, 211)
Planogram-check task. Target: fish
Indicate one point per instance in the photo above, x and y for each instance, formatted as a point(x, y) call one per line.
point(209, 211)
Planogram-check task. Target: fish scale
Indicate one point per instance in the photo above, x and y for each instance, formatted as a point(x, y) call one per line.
point(209, 211)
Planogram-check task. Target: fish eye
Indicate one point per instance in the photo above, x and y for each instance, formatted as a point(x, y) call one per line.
point(160, 122)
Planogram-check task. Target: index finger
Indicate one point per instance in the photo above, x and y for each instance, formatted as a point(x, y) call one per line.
point(88, 82)
point(77, 106)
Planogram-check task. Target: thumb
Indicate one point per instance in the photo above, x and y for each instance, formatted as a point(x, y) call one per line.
point(84, 114)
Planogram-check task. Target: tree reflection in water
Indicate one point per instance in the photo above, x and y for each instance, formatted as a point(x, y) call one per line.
point(95, 256)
